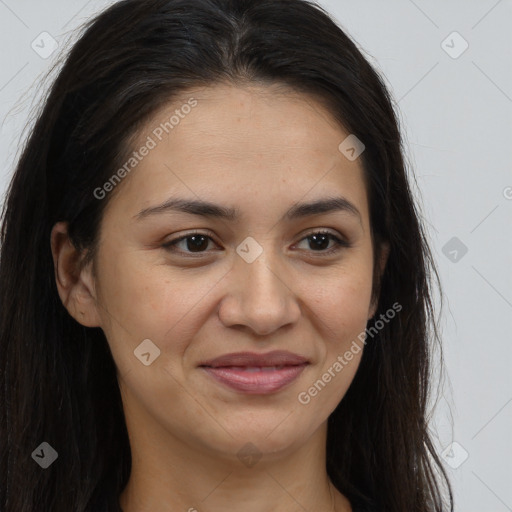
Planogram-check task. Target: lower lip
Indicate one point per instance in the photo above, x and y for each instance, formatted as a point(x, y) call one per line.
point(256, 382)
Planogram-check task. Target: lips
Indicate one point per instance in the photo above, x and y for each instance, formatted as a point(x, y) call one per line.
point(254, 373)
point(251, 359)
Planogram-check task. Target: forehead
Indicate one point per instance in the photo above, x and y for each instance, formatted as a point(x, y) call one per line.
point(249, 142)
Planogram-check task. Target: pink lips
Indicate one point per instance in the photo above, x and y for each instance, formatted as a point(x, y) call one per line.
point(253, 373)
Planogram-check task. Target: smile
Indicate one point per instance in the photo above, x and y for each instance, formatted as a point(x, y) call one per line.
point(253, 373)
point(256, 380)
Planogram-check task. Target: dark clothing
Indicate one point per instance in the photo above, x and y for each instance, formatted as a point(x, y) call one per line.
point(360, 506)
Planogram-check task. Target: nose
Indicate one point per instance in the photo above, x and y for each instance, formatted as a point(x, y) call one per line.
point(259, 297)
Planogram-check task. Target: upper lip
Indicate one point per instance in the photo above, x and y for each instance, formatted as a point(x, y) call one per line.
point(252, 359)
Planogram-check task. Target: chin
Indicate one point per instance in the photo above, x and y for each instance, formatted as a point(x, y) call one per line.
point(270, 434)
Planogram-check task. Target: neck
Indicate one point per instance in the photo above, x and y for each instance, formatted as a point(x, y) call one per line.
point(169, 474)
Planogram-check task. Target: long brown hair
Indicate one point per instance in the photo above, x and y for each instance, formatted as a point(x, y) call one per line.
point(58, 378)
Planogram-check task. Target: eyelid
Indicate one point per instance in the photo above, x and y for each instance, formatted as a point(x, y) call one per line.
point(174, 241)
point(340, 242)
point(323, 231)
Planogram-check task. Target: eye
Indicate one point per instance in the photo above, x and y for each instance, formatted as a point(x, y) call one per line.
point(319, 242)
point(191, 243)
point(198, 243)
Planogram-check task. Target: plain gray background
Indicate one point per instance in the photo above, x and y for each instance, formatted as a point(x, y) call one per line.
point(455, 106)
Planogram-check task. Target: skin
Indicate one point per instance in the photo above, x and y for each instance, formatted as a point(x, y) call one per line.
point(261, 149)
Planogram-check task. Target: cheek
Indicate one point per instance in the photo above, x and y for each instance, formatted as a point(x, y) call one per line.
point(342, 303)
point(144, 300)
point(130, 301)
point(342, 309)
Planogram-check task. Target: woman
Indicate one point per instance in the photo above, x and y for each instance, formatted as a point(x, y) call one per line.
point(214, 283)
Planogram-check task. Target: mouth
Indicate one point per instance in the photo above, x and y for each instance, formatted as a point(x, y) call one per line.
point(252, 373)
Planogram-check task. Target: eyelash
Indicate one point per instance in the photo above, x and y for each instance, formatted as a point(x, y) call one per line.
point(339, 243)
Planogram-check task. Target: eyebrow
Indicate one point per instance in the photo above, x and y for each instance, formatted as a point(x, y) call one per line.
point(212, 210)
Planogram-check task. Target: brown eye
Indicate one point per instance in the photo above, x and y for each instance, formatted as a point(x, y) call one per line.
point(191, 243)
point(198, 243)
point(319, 242)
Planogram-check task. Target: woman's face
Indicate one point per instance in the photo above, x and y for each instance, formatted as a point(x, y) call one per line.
point(252, 279)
